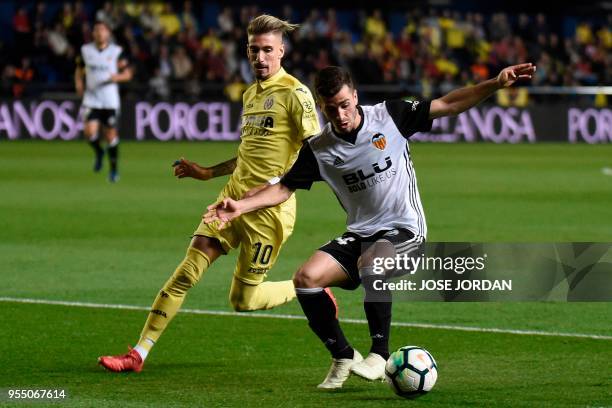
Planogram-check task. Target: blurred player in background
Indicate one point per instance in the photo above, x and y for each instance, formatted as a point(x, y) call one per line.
point(363, 154)
point(278, 114)
point(104, 65)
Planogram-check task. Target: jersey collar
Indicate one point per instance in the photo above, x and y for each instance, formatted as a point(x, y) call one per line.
point(272, 80)
point(351, 137)
point(101, 49)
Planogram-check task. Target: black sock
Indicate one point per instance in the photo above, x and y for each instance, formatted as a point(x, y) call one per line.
point(113, 155)
point(320, 310)
point(377, 306)
point(95, 145)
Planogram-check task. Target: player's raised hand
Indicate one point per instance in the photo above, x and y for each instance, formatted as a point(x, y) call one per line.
point(185, 168)
point(224, 212)
point(510, 75)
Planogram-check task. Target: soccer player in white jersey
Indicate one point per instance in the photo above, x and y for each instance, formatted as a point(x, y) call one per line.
point(363, 154)
point(104, 65)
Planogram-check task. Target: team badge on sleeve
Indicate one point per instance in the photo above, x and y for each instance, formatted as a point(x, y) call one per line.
point(379, 141)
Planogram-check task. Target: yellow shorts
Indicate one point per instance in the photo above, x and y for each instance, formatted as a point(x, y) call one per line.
point(259, 234)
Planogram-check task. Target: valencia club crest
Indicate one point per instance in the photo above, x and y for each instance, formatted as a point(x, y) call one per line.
point(379, 141)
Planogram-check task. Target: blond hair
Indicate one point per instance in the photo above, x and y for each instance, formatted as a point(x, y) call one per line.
point(266, 24)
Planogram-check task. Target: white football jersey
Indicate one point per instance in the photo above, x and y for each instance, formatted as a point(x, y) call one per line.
point(100, 92)
point(370, 170)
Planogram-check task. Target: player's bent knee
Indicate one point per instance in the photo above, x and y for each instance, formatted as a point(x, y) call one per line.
point(305, 278)
point(242, 305)
point(188, 272)
point(243, 297)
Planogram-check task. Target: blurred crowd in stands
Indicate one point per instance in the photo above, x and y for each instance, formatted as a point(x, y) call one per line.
point(174, 54)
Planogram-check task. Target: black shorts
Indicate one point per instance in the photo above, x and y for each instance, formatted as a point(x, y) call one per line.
point(107, 117)
point(347, 249)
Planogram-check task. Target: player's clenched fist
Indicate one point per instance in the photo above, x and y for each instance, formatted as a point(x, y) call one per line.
point(185, 168)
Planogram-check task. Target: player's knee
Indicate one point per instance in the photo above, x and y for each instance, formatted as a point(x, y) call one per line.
point(365, 261)
point(242, 305)
point(305, 278)
point(242, 298)
point(89, 133)
point(189, 272)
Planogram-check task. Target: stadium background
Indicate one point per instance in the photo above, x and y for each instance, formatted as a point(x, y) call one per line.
point(184, 53)
point(68, 236)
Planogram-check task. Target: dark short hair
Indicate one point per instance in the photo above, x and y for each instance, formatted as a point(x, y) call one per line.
point(104, 23)
point(330, 80)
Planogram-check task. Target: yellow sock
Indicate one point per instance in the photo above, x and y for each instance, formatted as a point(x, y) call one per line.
point(266, 295)
point(170, 298)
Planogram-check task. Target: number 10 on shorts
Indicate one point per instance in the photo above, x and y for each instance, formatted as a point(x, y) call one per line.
point(262, 253)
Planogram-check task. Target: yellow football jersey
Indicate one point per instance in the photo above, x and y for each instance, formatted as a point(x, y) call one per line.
point(278, 114)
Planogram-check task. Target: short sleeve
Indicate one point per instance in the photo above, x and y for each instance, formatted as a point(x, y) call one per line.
point(304, 171)
point(303, 113)
point(410, 117)
point(123, 57)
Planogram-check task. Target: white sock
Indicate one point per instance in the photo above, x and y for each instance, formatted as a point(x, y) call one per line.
point(142, 351)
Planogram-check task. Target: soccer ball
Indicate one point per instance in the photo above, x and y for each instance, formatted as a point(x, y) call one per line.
point(411, 371)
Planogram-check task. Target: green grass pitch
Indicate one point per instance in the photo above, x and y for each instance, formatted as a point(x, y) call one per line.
point(66, 234)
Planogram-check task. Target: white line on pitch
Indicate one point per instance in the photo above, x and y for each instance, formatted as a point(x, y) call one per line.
point(296, 317)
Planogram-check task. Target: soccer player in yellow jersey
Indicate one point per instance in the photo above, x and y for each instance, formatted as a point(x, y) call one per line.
point(278, 114)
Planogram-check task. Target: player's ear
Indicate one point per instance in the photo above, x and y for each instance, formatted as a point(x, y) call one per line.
point(355, 97)
point(281, 49)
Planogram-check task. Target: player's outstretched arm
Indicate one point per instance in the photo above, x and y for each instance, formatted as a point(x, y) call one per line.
point(257, 189)
point(462, 99)
point(229, 209)
point(185, 168)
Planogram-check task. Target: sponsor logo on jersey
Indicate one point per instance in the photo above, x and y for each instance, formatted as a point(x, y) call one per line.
point(97, 68)
point(360, 179)
point(379, 141)
point(256, 125)
point(338, 161)
point(268, 103)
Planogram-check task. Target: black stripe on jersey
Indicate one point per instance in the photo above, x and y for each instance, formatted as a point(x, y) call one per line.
point(410, 195)
point(414, 192)
point(412, 198)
